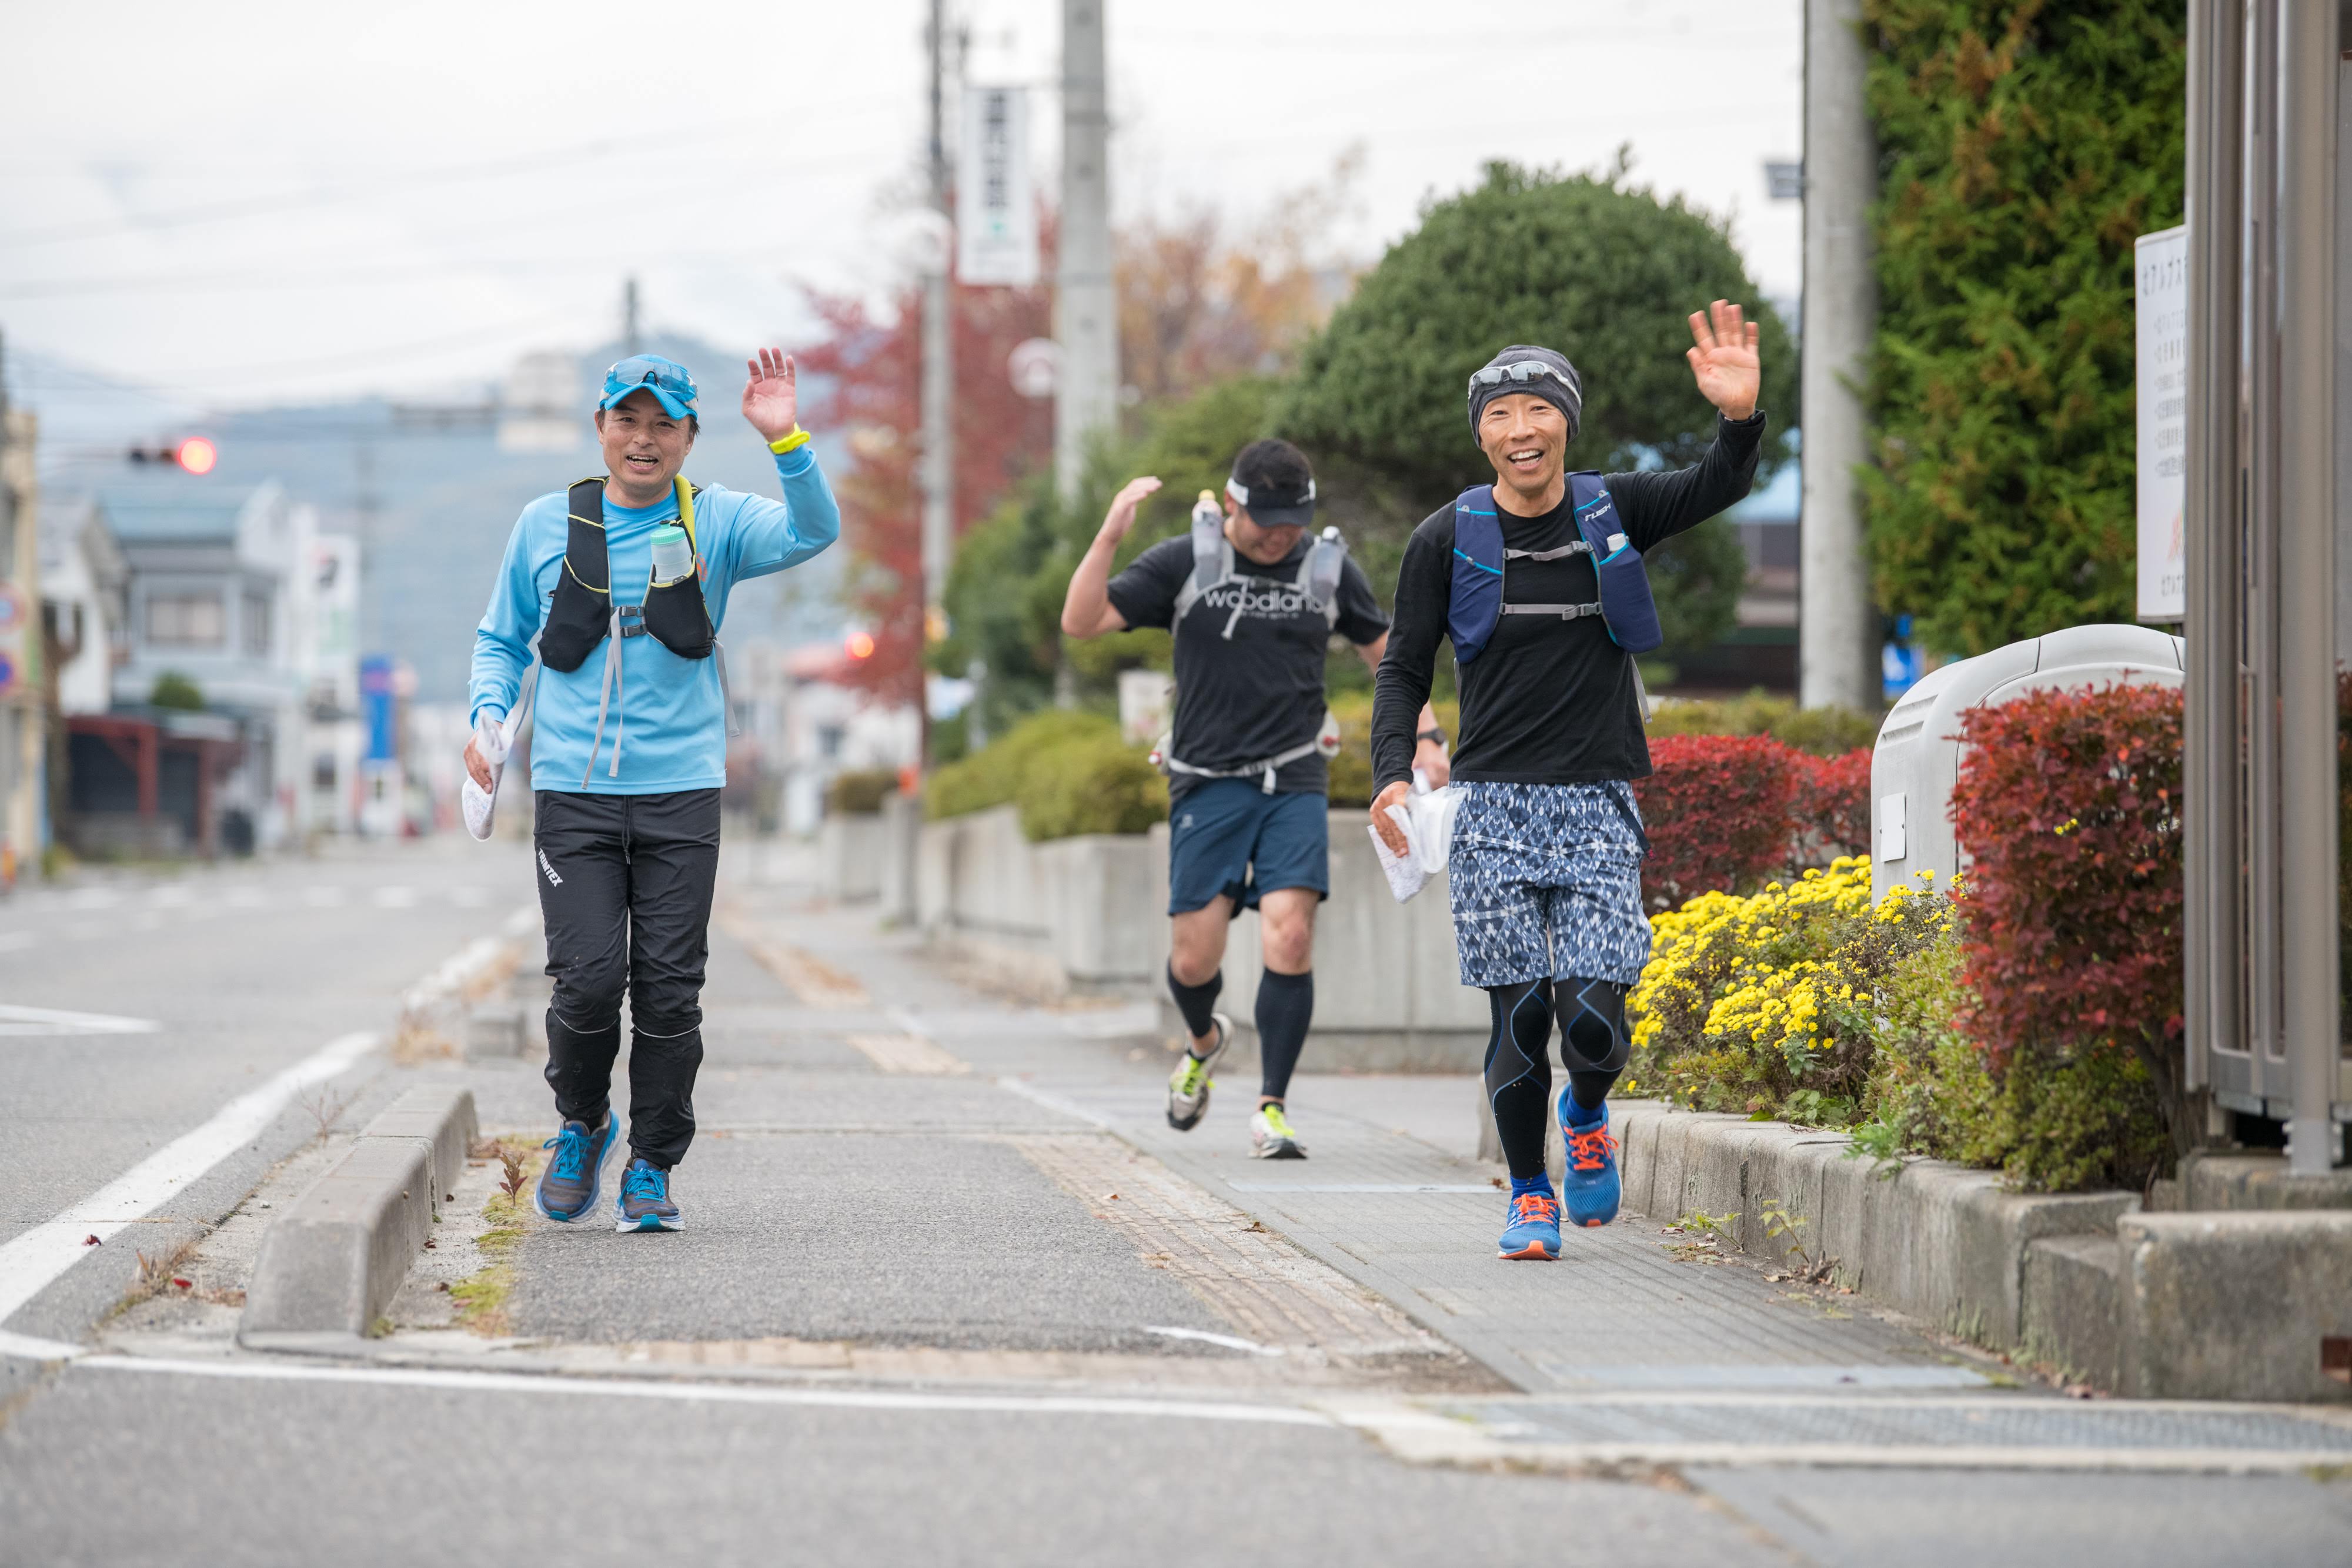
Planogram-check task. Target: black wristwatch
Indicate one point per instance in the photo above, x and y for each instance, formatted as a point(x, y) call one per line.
point(1433, 733)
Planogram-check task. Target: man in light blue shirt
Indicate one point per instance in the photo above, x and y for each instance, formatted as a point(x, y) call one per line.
point(621, 584)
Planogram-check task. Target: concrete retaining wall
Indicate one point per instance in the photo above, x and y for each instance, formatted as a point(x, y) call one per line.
point(850, 848)
point(1090, 913)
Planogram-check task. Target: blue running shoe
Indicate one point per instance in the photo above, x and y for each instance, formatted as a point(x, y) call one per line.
point(568, 1187)
point(1533, 1228)
point(644, 1202)
point(1588, 1185)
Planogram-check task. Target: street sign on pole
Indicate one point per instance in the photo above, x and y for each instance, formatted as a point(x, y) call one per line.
point(996, 213)
point(2161, 286)
point(15, 615)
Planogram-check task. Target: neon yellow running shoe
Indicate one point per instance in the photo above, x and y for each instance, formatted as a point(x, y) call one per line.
point(1271, 1137)
point(1187, 1086)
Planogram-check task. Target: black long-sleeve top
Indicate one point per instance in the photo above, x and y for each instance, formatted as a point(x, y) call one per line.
point(1548, 701)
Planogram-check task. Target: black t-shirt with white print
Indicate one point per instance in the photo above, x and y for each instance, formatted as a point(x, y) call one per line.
point(1256, 694)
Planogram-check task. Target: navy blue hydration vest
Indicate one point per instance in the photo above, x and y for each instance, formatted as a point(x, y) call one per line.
point(1625, 607)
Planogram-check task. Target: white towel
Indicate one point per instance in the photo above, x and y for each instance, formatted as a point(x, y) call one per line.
point(494, 739)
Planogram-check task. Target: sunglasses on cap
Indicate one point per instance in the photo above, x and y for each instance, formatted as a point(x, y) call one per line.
point(1521, 370)
point(650, 371)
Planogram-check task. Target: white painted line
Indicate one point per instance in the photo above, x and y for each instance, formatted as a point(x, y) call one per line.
point(1231, 1341)
point(716, 1393)
point(26, 1347)
point(15, 1021)
point(31, 1261)
point(14, 941)
point(1487, 1187)
point(1036, 1096)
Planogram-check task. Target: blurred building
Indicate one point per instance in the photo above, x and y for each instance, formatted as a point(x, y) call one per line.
point(23, 734)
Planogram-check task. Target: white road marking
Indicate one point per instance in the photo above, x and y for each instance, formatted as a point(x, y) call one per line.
point(395, 897)
point(1231, 1341)
point(15, 1021)
point(12, 941)
point(1036, 1096)
point(322, 898)
point(32, 1260)
point(716, 1393)
point(26, 1347)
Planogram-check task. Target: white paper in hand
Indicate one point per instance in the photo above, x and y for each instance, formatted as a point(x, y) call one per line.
point(494, 740)
point(1404, 870)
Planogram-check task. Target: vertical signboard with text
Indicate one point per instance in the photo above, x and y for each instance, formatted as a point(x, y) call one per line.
point(996, 211)
point(2161, 288)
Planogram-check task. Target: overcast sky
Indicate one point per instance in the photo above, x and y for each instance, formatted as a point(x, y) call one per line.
point(262, 201)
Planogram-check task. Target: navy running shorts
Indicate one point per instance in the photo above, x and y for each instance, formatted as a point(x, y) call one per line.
point(1230, 836)
point(1546, 881)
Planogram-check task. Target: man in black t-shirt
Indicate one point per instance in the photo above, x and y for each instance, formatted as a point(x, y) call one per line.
point(1545, 866)
point(1248, 822)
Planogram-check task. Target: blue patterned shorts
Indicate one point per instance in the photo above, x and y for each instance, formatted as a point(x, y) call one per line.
point(1546, 881)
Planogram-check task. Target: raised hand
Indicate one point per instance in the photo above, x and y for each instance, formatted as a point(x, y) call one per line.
point(1121, 515)
point(772, 394)
point(1723, 359)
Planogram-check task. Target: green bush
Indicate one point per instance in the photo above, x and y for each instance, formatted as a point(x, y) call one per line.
point(860, 791)
point(1067, 770)
point(175, 691)
point(1822, 731)
point(1095, 785)
point(2023, 149)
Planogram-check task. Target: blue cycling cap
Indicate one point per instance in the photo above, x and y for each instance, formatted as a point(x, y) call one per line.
point(665, 378)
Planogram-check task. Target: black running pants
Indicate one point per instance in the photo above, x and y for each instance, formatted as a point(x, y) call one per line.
point(625, 885)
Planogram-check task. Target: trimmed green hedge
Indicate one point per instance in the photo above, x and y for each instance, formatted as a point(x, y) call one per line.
point(860, 791)
point(1067, 770)
point(1822, 731)
point(2023, 148)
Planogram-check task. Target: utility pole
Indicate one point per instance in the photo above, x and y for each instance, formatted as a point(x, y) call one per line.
point(938, 375)
point(1085, 311)
point(630, 344)
point(1837, 624)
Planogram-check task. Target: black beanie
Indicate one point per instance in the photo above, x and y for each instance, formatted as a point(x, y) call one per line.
point(1568, 399)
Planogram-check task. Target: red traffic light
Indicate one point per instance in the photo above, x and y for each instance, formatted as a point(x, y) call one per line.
point(195, 454)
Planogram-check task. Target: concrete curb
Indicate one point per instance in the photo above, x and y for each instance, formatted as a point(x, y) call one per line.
point(331, 1261)
point(1946, 1244)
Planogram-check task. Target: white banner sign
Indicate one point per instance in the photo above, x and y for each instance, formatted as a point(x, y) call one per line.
point(996, 214)
point(2162, 288)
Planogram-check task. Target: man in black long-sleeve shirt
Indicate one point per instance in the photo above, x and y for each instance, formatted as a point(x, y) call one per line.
point(1545, 869)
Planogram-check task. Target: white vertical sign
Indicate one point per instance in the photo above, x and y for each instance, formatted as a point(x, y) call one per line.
point(996, 211)
point(2162, 287)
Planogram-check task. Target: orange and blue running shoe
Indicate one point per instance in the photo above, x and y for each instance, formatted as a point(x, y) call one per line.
point(1533, 1227)
point(1588, 1185)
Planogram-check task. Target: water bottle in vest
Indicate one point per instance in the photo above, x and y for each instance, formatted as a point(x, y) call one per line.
point(673, 556)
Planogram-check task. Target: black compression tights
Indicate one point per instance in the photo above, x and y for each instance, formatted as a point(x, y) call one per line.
point(1593, 1046)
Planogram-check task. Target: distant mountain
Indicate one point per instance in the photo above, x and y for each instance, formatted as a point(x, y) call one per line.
point(433, 490)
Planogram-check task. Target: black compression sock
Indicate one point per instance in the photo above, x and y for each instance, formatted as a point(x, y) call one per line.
point(1286, 1006)
point(1519, 1072)
point(1195, 1001)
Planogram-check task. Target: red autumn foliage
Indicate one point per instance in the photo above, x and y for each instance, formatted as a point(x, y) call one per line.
point(1833, 806)
point(1717, 811)
point(874, 367)
point(2069, 808)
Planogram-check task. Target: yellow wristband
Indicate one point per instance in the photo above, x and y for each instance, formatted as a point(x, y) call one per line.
point(799, 437)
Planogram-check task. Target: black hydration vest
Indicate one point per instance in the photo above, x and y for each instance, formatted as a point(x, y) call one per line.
point(582, 613)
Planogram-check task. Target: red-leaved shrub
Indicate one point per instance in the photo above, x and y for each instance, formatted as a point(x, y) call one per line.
point(2069, 806)
point(1833, 806)
point(1717, 809)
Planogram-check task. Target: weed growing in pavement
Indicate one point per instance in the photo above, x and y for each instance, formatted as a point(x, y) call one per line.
point(1805, 1266)
point(326, 1107)
point(480, 1299)
point(1705, 1238)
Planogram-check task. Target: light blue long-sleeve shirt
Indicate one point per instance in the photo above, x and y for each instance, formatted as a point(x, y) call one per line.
point(669, 719)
